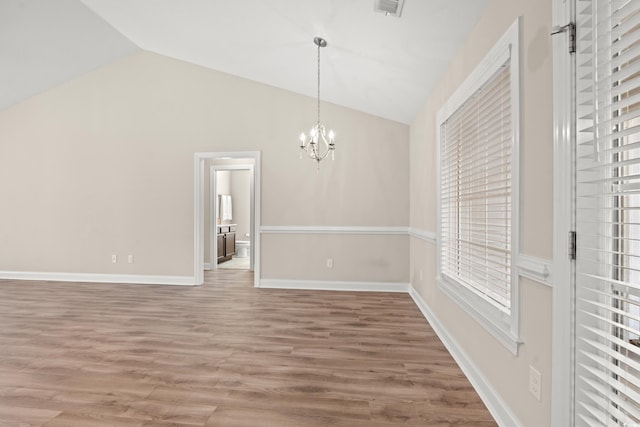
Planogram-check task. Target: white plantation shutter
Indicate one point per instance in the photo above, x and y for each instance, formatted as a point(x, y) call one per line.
point(475, 192)
point(607, 356)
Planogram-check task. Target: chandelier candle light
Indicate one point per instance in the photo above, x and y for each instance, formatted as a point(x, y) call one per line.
point(319, 144)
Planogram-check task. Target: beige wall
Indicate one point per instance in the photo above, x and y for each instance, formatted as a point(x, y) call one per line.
point(104, 165)
point(240, 194)
point(379, 258)
point(223, 182)
point(507, 374)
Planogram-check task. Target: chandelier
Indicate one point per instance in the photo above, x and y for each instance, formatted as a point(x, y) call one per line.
point(319, 143)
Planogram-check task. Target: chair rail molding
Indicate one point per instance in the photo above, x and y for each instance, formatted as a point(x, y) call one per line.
point(319, 229)
point(427, 236)
point(536, 269)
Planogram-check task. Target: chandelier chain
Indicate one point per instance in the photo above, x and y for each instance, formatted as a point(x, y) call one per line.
point(318, 84)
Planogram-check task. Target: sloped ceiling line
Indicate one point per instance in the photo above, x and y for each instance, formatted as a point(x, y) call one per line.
point(384, 66)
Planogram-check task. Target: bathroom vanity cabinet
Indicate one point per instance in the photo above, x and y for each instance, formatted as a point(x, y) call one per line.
point(226, 242)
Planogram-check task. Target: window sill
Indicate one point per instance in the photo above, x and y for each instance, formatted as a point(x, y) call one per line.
point(491, 318)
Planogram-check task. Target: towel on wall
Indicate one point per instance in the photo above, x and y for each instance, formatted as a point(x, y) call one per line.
point(225, 207)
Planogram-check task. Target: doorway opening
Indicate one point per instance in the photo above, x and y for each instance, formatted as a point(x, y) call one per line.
point(229, 215)
point(207, 209)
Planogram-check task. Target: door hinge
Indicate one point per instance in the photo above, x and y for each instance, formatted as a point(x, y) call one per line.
point(571, 29)
point(573, 247)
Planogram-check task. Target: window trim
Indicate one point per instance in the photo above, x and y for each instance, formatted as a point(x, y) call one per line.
point(505, 328)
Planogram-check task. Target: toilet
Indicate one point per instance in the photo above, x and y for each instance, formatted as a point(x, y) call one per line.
point(242, 248)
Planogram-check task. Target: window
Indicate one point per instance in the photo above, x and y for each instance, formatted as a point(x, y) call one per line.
point(478, 174)
point(607, 284)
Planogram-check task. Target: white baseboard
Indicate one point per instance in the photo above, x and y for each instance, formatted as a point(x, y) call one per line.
point(207, 266)
point(334, 285)
point(496, 406)
point(100, 278)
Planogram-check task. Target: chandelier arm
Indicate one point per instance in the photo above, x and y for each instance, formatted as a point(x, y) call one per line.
point(314, 149)
point(314, 154)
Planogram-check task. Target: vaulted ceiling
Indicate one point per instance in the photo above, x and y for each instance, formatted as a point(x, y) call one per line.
point(378, 64)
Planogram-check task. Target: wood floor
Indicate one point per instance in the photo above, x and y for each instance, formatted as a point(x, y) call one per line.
point(223, 354)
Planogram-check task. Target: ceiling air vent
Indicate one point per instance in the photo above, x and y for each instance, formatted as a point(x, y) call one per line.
point(389, 7)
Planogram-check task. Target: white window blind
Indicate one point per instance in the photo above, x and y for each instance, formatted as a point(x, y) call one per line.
point(475, 192)
point(607, 355)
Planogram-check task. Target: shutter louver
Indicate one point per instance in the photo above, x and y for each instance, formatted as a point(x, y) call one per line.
point(607, 356)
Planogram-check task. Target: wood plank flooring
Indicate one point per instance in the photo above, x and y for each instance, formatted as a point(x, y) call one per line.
point(223, 354)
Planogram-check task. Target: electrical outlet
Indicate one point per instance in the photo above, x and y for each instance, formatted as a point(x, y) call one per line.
point(130, 259)
point(420, 274)
point(329, 262)
point(114, 258)
point(535, 382)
